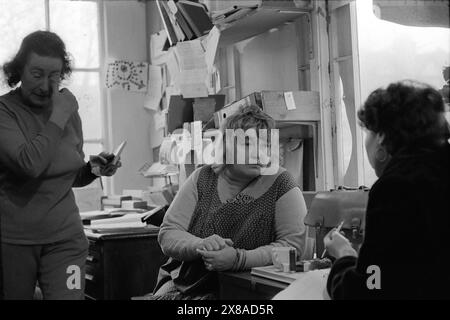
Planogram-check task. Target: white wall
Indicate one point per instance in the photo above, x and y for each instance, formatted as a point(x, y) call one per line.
point(126, 38)
point(269, 61)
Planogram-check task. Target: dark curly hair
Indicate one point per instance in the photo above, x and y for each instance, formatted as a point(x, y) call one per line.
point(408, 113)
point(43, 43)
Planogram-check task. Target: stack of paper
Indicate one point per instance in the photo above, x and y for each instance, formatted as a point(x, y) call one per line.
point(159, 169)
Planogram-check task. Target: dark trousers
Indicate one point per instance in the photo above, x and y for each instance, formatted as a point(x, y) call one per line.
point(58, 268)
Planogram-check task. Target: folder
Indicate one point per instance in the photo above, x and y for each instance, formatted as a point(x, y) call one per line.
point(183, 23)
point(171, 35)
point(196, 15)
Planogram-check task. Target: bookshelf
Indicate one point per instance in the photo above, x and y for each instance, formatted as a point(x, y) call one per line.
point(257, 22)
point(302, 122)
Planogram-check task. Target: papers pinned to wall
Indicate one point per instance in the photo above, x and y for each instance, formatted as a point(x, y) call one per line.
point(210, 44)
point(158, 47)
point(192, 80)
point(172, 66)
point(160, 120)
point(289, 99)
point(154, 93)
point(171, 91)
point(127, 75)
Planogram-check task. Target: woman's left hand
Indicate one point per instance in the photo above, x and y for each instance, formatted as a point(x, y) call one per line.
point(218, 260)
point(102, 164)
point(337, 245)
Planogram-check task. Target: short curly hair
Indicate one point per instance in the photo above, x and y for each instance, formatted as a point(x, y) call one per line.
point(250, 117)
point(43, 43)
point(408, 113)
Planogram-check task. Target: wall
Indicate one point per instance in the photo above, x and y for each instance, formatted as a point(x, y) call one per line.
point(269, 61)
point(126, 38)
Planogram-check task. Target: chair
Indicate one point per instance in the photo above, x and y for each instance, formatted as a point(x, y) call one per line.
point(89, 198)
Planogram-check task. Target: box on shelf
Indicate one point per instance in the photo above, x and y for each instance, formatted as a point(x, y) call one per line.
point(280, 105)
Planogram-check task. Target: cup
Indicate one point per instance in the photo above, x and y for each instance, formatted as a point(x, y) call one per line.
point(284, 258)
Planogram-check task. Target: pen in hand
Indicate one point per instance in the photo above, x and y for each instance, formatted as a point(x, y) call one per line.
point(338, 229)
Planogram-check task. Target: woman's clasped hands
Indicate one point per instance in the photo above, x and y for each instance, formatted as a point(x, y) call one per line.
point(217, 253)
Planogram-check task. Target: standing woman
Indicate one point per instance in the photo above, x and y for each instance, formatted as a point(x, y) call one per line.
point(406, 244)
point(41, 159)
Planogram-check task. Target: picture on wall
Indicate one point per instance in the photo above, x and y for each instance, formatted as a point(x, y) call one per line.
point(127, 75)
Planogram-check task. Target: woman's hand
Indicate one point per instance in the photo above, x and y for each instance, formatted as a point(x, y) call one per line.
point(219, 260)
point(64, 104)
point(102, 164)
point(337, 245)
point(213, 243)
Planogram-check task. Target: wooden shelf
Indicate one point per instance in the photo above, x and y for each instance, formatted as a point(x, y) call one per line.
point(257, 22)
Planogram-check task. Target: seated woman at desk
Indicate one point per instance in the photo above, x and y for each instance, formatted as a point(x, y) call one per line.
point(228, 217)
point(405, 249)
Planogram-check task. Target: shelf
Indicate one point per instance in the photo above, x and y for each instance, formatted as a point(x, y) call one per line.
point(257, 22)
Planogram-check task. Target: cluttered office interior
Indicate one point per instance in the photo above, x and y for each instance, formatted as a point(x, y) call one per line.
point(224, 150)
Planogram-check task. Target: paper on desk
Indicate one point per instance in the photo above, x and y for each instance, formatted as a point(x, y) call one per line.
point(127, 218)
point(289, 99)
point(119, 225)
point(154, 93)
point(312, 286)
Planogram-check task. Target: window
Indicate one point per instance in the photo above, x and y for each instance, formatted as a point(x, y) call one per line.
point(390, 52)
point(78, 24)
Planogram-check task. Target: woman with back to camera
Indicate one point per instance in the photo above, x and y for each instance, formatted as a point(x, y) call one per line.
point(229, 216)
point(405, 250)
point(41, 159)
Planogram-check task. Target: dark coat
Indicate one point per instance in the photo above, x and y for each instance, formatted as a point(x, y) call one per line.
point(407, 233)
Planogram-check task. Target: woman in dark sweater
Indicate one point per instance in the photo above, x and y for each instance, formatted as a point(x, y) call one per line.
point(41, 159)
point(405, 252)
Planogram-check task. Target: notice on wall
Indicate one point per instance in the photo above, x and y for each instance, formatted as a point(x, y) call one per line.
point(127, 75)
point(289, 99)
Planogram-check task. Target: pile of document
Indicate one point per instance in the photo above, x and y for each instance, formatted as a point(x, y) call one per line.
point(119, 219)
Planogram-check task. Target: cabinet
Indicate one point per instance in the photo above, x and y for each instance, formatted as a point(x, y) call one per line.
point(122, 265)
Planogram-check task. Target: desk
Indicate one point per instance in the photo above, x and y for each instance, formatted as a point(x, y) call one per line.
point(123, 264)
point(244, 286)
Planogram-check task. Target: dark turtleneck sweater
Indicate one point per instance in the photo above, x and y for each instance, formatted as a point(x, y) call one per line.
point(406, 234)
point(39, 165)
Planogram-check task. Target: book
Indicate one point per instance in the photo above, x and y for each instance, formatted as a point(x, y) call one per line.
point(98, 214)
point(271, 272)
point(134, 218)
point(121, 227)
point(176, 27)
point(196, 16)
point(171, 35)
point(181, 21)
point(114, 200)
